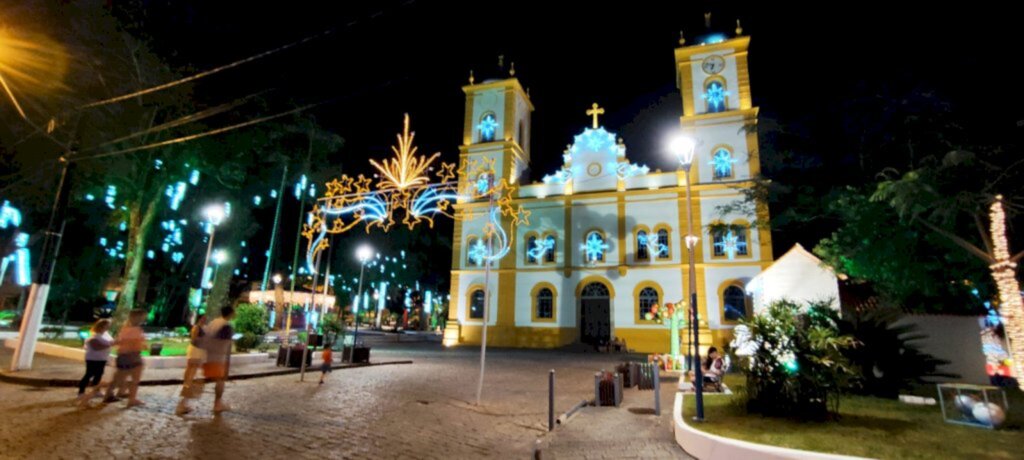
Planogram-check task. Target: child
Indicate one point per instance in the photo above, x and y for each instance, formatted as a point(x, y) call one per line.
point(130, 343)
point(327, 357)
point(97, 351)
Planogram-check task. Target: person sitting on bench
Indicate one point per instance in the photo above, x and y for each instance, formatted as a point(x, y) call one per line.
point(713, 369)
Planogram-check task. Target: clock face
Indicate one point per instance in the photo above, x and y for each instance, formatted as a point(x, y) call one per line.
point(713, 64)
point(594, 169)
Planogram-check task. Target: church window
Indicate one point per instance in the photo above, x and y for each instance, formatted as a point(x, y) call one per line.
point(545, 304)
point(663, 252)
point(594, 247)
point(714, 96)
point(488, 127)
point(642, 252)
point(646, 298)
point(721, 163)
point(476, 304)
point(734, 303)
point(549, 256)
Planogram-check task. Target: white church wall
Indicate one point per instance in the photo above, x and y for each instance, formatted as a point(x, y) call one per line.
point(714, 136)
point(545, 217)
point(595, 214)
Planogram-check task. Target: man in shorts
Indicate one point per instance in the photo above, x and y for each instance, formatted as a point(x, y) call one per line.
point(218, 340)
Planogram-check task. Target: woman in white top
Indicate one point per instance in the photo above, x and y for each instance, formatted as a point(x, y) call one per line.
point(97, 351)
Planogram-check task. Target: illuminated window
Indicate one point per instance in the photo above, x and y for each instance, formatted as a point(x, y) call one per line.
point(714, 96)
point(642, 252)
point(470, 243)
point(476, 304)
point(663, 252)
point(549, 256)
point(545, 304)
point(721, 164)
point(734, 303)
point(531, 245)
point(647, 298)
point(488, 128)
point(594, 247)
point(729, 242)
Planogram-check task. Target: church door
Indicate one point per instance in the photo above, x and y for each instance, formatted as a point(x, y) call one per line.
point(595, 314)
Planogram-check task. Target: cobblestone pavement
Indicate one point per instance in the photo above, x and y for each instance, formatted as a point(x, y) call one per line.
point(422, 410)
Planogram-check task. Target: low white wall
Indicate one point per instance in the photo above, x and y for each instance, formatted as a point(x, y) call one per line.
point(706, 446)
point(956, 339)
point(152, 362)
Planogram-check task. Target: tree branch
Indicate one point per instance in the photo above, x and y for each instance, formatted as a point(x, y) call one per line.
point(960, 242)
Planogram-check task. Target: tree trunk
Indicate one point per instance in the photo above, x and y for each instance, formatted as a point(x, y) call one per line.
point(140, 222)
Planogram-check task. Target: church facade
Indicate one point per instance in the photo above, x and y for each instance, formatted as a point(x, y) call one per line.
point(606, 237)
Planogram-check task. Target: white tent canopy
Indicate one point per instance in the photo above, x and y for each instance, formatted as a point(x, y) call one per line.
point(797, 276)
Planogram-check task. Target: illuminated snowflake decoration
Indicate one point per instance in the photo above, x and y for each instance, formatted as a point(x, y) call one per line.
point(715, 96)
point(594, 247)
point(721, 163)
point(405, 194)
point(540, 248)
point(625, 169)
point(488, 127)
point(731, 244)
point(559, 177)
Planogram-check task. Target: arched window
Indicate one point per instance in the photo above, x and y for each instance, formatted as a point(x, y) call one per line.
point(645, 299)
point(470, 243)
point(549, 256)
point(488, 127)
point(476, 304)
point(721, 164)
point(663, 249)
point(545, 307)
point(594, 247)
point(531, 248)
point(734, 303)
point(714, 96)
point(730, 242)
point(642, 253)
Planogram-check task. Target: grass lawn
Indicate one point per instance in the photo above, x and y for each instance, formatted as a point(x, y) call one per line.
point(868, 427)
point(172, 347)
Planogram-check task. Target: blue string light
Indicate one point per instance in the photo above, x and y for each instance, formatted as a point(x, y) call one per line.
point(594, 247)
point(488, 126)
point(721, 163)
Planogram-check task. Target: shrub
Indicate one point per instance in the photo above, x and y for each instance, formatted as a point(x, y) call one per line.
point(251, 322)
point(798, 367)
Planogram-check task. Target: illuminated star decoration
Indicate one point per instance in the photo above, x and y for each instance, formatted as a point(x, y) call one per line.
point(715, 96)
point(404, 186)
point(540, 248)
point(625, 169)
point(731, 244)
point(488, 126)
point(722, 163)
point(594, 247)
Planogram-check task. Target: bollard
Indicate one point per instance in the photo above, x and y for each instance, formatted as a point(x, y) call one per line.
point(551, 400)
point(597, 389)
point(618, 389)
point(657, 390)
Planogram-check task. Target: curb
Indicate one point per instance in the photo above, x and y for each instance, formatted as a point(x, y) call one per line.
point(8, 377)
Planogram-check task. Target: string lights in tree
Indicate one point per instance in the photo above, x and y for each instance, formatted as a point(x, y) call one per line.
point(1004, 271)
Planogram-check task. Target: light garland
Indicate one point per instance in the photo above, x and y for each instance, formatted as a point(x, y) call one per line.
point(1004, 273)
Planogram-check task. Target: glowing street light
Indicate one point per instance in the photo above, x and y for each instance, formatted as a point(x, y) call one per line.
point(277, 278)
point(214, 215)
point(363, 253)
point(683, 147)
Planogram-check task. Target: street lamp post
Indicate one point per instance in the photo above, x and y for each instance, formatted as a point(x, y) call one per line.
point(364, 253)
point(683, 147)
point(214, 214)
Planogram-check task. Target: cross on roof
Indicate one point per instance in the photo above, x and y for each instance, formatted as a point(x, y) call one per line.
point(595, 111)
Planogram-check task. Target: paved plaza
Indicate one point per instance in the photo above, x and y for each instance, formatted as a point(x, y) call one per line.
point(419, 410)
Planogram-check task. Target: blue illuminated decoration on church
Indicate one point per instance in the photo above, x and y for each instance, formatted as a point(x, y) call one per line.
point(730, 244)
point(721, 164)
point(714, 95)
point(594, 247)
point(488, 127)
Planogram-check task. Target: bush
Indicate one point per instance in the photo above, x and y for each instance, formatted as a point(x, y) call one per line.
point(181, 332)
point(798, 367)
point(250, 321)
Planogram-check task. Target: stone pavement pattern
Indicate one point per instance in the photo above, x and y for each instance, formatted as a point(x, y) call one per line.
point(422, 410)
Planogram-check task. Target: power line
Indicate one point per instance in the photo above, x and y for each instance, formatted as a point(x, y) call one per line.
point(227, 66)
point(218, 130)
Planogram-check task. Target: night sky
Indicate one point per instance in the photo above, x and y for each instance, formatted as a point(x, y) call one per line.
point(385, 58)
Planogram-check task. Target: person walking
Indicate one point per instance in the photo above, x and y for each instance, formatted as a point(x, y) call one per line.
point(97, 352)
point(218, 342)
point(130, 343)
point(195, 357)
